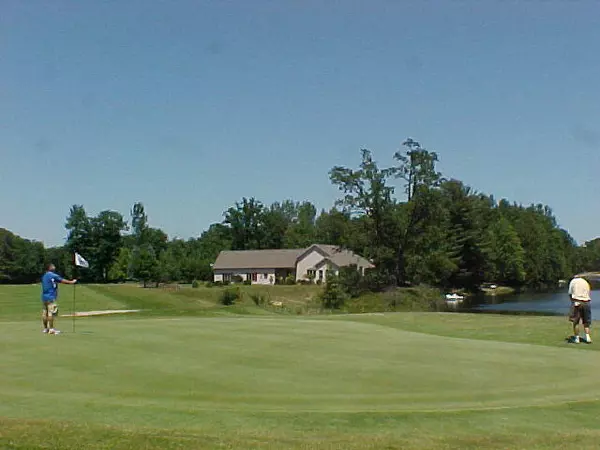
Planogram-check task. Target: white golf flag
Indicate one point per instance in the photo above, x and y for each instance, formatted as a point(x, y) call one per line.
point(80, 261)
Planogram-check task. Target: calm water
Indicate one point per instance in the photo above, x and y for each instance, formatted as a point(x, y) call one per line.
point(553, 303)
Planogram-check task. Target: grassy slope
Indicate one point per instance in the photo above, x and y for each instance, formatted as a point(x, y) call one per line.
point(371, 381)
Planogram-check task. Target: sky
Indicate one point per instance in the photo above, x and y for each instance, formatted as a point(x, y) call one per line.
point(188, 106)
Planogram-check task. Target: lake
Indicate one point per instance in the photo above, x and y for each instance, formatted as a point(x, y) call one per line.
point(547, 303)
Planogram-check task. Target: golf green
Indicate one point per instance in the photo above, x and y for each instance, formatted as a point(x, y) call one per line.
point(287, 382)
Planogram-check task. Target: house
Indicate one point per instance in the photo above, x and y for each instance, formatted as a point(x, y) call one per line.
point(267, 266)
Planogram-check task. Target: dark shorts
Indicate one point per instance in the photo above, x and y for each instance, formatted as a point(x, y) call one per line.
point(581, 313)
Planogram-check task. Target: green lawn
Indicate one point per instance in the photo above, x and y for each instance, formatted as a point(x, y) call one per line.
point(193, 374)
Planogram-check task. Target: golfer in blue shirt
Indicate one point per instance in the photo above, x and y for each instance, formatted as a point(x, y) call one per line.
point(50, 282)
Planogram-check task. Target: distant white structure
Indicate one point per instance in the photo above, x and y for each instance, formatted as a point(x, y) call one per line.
point(266, 266)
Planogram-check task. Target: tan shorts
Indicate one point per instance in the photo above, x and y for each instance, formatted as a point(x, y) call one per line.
point(50, 309)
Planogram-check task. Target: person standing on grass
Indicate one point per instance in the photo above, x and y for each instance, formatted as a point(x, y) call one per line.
point(50, 282)
point(579, 294)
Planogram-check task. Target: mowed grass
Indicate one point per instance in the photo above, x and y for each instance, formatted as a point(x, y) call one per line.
point(400, 380)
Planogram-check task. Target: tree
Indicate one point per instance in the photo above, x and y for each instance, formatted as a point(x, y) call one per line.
point(21, 260)
point(246, 223)
point(202, 252)
point(139, 223)
point(120, 268)
point(333, 295)
point(506, 254)
point(367, 194)
point(80, 236)
point(144, 264)
point(332, 228)
point(417, 167)
point(106, 241)
point(300, 232)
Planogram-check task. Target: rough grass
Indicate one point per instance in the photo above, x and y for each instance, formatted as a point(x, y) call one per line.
point(399, 380)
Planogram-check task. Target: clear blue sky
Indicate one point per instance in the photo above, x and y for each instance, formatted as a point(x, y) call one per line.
point(189, 105)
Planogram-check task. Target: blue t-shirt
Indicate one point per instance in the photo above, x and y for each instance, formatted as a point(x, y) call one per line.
point(50, 282)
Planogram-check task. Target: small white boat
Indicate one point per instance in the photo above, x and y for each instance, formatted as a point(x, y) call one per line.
point(454, 298)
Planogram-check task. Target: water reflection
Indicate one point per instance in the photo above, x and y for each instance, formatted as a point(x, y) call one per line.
point(548, 303)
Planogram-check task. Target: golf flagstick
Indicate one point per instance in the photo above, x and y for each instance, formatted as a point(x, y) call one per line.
point(74, 288)
point(73, 308)
point(78, 261)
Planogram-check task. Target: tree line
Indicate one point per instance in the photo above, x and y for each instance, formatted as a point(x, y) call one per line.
point(434, 230)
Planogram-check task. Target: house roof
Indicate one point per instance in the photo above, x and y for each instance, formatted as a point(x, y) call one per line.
point(258, 259)
point(285, 258)
point(342, 257)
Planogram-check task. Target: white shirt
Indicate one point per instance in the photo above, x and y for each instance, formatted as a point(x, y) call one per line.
point(579, 289)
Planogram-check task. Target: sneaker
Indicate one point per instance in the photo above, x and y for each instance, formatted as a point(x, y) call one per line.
point(53, 331)
point(573, 340)
point(45, 330)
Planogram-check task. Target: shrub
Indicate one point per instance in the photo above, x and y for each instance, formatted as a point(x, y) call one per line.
point(247, 282)
point(195, 284)
point(258, 299)
point(209, 284)
point(229, 297)
point(333, 296)
point(237, 279)
point(351, 281)
point(290, 279)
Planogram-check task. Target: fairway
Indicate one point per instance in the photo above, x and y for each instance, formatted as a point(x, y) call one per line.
point(237, 381)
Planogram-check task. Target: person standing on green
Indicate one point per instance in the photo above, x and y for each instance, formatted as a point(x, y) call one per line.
point(50, 282)
point(581, 311)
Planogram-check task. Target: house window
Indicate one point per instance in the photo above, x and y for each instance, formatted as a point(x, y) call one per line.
point(266, 276)
point(311, 274)
point(320, 274)
point(254, 276)
point(226, 277)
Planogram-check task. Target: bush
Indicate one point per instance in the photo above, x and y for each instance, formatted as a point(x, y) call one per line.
point(209, 284)
point(290, 279)
point(195, 284)
point(237, 279)
point(229, 297)
point(351, 281)
point(258, 299)
point(377, 280)
point(333, 296)
point(247, 282)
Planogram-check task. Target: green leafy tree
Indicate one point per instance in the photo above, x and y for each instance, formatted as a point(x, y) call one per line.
point(144, 264)
point(333, 295)
point(368, 195)
point(245, 221)
point(107, 228)
point(21, 260)
point(301, 231)
point(120, 268)
point(80, 236)
point(506, 254)
point(417, 168)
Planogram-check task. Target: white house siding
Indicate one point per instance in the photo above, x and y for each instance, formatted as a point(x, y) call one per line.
point(310, 261)
point(263, 276)
point(325, 266)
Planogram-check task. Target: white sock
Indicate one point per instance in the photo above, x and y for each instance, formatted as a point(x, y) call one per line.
point(576, 338)
point(587, 337)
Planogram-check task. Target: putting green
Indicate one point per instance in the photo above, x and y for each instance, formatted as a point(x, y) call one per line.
point(162, 372)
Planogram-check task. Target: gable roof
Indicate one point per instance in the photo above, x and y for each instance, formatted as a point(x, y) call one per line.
point(258, 259)
point(285, 258)
point(342, 257)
